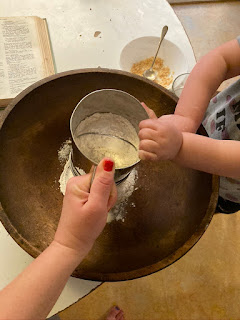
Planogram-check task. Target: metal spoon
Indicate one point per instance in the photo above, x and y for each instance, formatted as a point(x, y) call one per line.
point(93, 175)
point(76, 173)
point(150, 73)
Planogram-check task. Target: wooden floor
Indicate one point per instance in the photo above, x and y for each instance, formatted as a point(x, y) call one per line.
point(209, 25)
point(202, 285)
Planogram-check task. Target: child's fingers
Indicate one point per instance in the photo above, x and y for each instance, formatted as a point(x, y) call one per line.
point(149, 123)
point(149, 111)
point(149, 146)
point(147, 134)
point(144, 155)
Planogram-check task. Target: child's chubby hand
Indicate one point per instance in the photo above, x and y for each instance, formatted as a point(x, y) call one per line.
point(159, 138)
point(182, 123)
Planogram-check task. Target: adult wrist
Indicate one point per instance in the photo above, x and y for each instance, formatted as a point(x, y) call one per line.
point(74, 256)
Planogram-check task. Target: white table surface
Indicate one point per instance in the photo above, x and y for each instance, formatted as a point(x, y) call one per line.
point(119, 23)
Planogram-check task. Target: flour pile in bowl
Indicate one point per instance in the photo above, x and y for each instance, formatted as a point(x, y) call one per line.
point(125, 189)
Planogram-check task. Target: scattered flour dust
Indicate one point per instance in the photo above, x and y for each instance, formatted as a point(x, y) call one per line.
point(124, 189)
point(64, 151)
point(67, 174)
point(64, 156)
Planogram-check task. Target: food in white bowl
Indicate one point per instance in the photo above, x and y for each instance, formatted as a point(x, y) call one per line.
point(138, 51)
point(164, 75)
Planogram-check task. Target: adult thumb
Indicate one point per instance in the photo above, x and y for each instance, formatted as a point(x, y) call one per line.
point(102, 183)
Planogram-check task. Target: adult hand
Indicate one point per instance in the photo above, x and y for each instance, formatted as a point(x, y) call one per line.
point(84, 212)
point(159, 139)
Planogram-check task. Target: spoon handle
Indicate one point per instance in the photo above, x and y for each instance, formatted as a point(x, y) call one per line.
point(93, 175)
point(164, 31)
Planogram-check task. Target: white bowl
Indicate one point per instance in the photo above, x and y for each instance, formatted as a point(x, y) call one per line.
point(145, 47)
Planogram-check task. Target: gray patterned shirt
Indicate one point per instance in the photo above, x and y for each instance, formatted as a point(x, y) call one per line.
point(222, 122)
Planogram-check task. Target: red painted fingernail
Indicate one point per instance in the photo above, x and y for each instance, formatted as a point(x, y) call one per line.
point(108, 165)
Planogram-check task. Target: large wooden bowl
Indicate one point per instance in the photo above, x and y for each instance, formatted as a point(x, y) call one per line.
point(173, 205)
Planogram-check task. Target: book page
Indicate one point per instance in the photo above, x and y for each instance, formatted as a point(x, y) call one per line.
point(21, 61)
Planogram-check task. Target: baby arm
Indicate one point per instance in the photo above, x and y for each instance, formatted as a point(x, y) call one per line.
point(220, 157)
point(34, 292)
point(218, 65)
point(161, 140)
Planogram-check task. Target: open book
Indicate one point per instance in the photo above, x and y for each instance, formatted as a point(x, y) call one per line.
point(25, 55)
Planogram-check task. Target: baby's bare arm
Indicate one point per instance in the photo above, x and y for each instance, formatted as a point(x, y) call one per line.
point(161, 140)
point(221, 157)
point(218, 65)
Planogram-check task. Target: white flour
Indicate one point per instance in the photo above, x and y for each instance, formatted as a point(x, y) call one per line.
point(64, 151)
point(64, 157)
point(108, 123)
point(108, 135)
point(67, 174)
point(125, 190)
point(98, 146)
